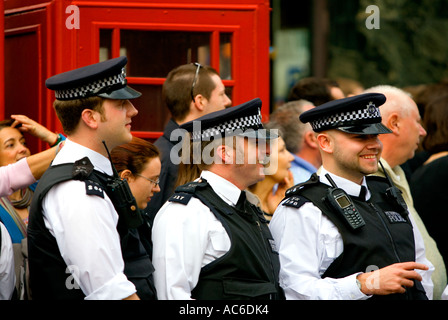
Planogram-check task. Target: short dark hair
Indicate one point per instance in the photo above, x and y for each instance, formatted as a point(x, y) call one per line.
point(176, 90)
point(313, 89)
point(69, 111)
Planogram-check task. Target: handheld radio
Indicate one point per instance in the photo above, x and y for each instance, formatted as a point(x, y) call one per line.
point(340, 201)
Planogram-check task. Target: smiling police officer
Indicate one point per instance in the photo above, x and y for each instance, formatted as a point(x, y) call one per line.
point(338, 226)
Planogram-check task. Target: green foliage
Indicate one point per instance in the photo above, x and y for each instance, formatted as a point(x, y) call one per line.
point(410, 48)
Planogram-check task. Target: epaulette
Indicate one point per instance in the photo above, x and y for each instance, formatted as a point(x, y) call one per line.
point(296, 189)
point(295, 201)
point(94, 188)
point(82, 169)
point(183, 193)
point(180, 197)
point(190, 187)
point(292, 195)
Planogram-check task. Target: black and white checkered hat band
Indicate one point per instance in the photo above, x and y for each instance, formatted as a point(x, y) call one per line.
point(229, 128)
point(92, 88)
point(349, 117)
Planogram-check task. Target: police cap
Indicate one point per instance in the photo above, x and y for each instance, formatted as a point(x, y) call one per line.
point(242, 120)
point(105, 79)
point(358, 114)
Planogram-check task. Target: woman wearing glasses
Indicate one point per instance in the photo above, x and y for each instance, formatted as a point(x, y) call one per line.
point(138, 162)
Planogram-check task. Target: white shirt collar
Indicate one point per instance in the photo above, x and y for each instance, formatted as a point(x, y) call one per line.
point(73, 151)
point(348, 186)
point(224, 188)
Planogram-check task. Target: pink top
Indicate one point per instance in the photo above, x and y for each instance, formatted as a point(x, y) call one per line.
point(15, 176)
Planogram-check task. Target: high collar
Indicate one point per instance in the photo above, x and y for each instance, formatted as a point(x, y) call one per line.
point(348, 186)
point(73, 151)
point(224, 188)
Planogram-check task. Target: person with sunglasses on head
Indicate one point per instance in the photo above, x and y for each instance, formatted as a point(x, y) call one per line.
point(189, 92)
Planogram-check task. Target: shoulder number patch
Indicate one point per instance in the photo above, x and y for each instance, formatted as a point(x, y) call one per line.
point(295, 201)
point(180, 197)
point(93, 188)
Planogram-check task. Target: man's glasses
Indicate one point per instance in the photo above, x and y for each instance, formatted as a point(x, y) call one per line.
point(195, 79)
point(156, 182)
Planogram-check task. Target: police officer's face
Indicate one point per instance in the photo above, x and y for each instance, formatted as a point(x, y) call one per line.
point(117, 125)
point(352, 156)
point(12, 146)
point(255, 153)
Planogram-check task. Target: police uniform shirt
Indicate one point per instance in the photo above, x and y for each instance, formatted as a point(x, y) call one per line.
point(85, 229)
point(188, 237)
point(308, 242)
point(7, 273)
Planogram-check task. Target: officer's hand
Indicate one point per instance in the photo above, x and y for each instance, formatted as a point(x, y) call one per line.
point(391, 279)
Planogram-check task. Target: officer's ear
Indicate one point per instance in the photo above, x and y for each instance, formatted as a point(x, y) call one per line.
point(224, 154)
point(89, 117)
point(325, 142)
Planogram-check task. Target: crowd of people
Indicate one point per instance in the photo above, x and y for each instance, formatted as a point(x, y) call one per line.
point(338, 196)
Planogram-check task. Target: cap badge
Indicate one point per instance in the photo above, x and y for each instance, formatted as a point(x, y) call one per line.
point(371, 108)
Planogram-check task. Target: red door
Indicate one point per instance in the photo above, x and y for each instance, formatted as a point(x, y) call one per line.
point(233, 37)
point(43, 38)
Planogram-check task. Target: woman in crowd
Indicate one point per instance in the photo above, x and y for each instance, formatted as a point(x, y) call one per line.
point(271, 190)
point(139, 163)
point(13, 148)
point(428, 182)
point(18, 183)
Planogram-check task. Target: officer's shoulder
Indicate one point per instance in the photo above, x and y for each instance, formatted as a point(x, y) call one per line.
point(376, 178)
point(93, 188)
point(377, 181)
point(295, 201)
point(185, 192)
point(294, 197)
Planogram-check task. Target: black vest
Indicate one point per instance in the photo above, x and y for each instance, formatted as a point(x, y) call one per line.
point(386, 238)
point(49, 277)
point(250, 269)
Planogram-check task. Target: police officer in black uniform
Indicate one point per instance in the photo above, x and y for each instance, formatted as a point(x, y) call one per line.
point(343, 234)
point(209, 241)
point(82, 237)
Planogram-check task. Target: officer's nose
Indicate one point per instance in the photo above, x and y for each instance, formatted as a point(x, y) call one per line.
point(132, 111)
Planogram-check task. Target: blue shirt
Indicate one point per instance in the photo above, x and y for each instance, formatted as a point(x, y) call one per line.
point(301, 169)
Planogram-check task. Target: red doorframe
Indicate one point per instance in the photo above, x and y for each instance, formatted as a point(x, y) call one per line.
point(2, 60)
point(62, 49)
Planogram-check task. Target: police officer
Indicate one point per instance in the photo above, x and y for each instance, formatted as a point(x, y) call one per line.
point(209, 242)
point(74, 244)
point(342, 235)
